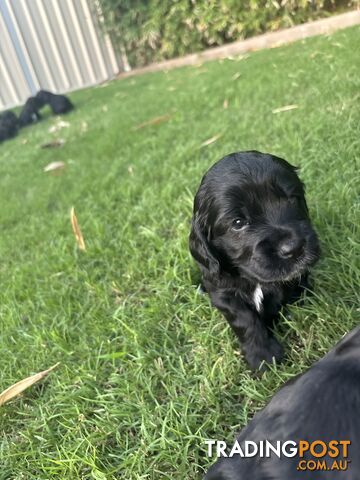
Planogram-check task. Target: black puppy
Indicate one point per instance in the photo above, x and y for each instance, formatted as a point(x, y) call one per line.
point(59, 104)
point(30, 112)
point(322, 405)
point(9, 125)
point(252, 238)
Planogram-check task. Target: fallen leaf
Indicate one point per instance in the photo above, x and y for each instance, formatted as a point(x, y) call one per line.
point(211, 140)
point(59, 142)
point(115, 289)
point(76, 229)
point(153, 121)
point(226, 103)
point(54, 166)
point(116, 293)
point(19, 387)
point(236, 76)
point(130, 169)
point(58, 126)
point(118, 300)
point(285, 108)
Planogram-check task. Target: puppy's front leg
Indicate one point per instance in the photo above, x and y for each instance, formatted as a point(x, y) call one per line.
point(257, 343)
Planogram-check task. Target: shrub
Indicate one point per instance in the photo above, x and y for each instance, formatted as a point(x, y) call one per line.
point(154, 30)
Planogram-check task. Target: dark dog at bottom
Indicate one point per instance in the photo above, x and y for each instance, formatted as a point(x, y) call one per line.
point(323, 404)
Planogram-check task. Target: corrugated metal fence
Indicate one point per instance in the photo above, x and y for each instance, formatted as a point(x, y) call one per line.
point(55, 45)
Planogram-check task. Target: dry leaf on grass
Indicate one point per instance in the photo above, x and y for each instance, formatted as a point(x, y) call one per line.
point(76, 229)
point(58, 126)
point(117, 294)
point(59, 142)
point(211, 140)
point(19, 387)
point(153, 121)
point(54, 166)
point(236, 76)
point(115, 289)
point(286, 108)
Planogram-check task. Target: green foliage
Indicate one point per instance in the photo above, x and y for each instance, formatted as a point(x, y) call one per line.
point(154, 30)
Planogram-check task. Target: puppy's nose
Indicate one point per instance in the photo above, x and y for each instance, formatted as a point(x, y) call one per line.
point(291, 247)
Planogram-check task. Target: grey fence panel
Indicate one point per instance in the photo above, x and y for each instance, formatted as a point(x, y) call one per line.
point(13, 85)
point(56, 45)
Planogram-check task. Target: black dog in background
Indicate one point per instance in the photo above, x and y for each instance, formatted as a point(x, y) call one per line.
point(9, 125)
point(30, 112)
point(59, 104)
point(253, 241)
point(322, 404)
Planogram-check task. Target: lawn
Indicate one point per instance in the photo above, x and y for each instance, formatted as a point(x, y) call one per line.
point(148, 370)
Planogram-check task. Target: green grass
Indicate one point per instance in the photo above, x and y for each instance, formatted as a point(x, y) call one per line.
point(148, 370)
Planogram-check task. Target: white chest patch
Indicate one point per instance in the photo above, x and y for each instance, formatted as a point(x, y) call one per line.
point(258, 297)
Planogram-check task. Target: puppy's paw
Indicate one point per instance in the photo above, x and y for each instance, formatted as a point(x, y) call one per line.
point(275, 351)
point(256, 356)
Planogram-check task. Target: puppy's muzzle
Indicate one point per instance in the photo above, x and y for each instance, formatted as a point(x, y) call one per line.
point(291, 248)
point(284, 243)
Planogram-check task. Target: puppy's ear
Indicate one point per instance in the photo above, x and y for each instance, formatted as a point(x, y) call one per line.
point(200, 248)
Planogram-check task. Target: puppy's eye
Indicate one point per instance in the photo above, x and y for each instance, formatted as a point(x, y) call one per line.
point(239, 223)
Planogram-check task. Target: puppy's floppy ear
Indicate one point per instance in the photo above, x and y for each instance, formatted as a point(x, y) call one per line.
point(200, 248)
